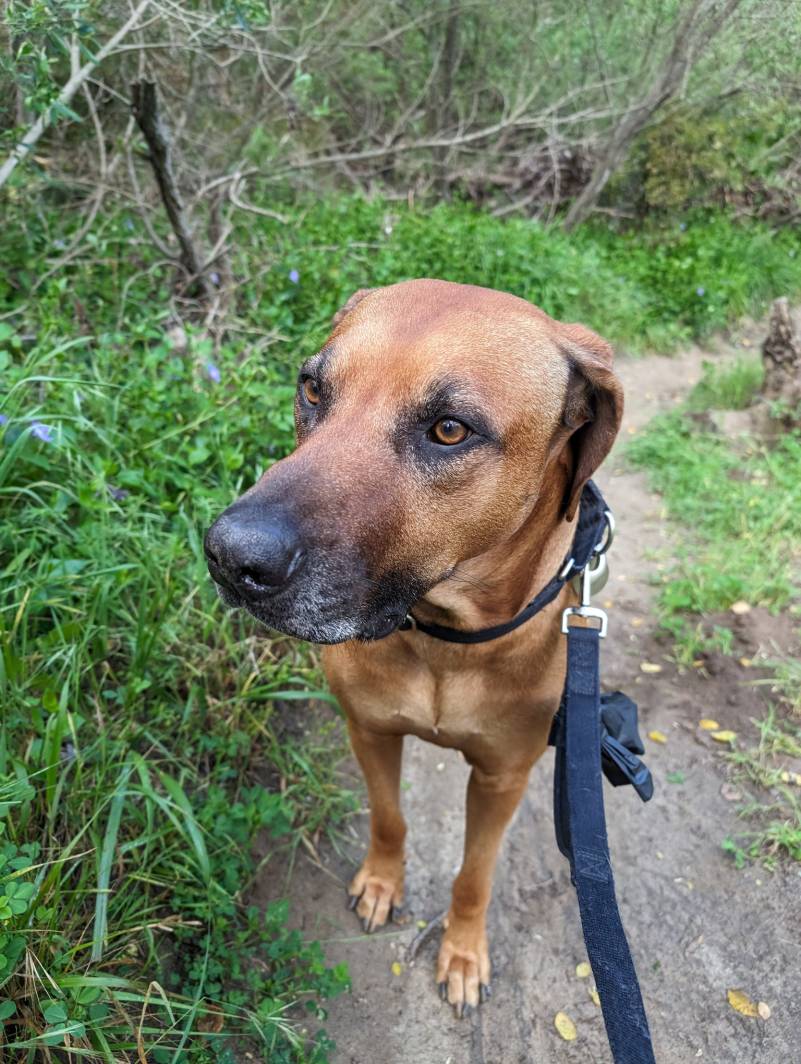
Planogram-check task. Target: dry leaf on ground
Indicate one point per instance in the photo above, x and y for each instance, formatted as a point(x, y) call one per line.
point(708, 725)
point(724, 736)
point(650, 667)
point(565, 1026)
point(583, 970)
point(742, 1003)
point(657, 736)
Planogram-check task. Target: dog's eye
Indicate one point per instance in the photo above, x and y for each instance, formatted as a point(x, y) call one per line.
point(449, 431)
point(311, 391)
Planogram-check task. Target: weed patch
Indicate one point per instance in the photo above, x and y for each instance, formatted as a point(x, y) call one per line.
point(738, 508)
point(138, 714)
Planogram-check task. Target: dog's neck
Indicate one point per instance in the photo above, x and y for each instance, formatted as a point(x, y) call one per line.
point(495, 586)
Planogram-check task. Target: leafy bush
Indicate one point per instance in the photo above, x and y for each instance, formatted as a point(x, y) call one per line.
point(652, 288)
point(696, 157)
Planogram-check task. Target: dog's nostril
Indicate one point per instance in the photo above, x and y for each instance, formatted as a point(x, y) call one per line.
point(251, 576)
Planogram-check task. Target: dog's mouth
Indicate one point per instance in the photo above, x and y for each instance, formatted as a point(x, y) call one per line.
point(317, 620)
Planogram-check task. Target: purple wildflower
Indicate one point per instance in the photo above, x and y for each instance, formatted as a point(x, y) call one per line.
point(213, 372)
point(42, 432)
point(294, 276)
point(682, 226)
point(214, 277)
point(700, 290)
point(117, 494)
point(3, 420)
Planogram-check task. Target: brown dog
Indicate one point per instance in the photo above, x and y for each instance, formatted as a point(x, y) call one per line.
point(444, 435)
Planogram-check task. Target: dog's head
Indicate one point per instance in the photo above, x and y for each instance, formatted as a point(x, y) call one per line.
point(426, 427)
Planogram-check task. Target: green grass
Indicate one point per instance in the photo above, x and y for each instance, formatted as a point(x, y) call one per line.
point(140, 720)
point(138, 716)
point(775, 831)
point(736, 505)
point(728, 387)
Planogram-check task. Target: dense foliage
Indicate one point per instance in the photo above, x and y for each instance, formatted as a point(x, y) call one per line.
point(514, 105)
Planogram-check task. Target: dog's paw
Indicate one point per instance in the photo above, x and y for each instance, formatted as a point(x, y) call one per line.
point(375, 897)
point(463, 966)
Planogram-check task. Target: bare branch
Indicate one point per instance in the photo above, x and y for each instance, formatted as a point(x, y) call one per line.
point(145, 109)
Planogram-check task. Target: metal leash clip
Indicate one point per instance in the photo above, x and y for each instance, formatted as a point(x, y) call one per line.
point(590, 581)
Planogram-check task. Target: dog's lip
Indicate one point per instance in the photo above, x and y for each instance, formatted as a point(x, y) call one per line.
point(369, 631)
point(229, 596)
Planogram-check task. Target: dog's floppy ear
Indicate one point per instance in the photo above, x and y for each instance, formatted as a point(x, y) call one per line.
point(354, 301)
point(593, 406)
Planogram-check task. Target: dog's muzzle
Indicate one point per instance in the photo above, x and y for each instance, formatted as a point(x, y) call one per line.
point(260, 561)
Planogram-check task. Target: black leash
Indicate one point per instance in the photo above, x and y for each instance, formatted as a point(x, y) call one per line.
point(592, 733)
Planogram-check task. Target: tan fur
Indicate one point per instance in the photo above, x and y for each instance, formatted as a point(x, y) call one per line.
point(500, 525)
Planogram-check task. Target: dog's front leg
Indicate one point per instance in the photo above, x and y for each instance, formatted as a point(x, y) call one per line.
point(377, 887)
point(463, 966)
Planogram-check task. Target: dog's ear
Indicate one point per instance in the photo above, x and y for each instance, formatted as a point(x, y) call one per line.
point(593, 406)
point(354, 301)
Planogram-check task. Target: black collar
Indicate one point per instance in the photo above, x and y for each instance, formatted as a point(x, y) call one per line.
point(593, 519)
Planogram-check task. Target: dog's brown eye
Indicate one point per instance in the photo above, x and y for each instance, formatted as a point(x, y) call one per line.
point(449, 431)
point(311, 390)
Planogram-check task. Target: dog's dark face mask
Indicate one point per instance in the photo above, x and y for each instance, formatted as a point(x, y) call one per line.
point(425, 427)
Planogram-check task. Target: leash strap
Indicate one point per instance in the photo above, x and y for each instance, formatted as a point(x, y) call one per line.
point(591, 735)
point(581, 836)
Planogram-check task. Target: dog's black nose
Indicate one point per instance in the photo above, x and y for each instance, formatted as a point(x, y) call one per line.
point(253, 549)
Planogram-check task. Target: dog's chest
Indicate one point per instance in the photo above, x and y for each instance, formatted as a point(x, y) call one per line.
point(449, 709)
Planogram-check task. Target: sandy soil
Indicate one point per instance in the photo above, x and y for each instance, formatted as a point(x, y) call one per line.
point(697, 926)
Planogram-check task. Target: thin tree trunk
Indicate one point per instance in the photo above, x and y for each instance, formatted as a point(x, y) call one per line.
point(443, 89)
point(145, 109)
point(696, 30)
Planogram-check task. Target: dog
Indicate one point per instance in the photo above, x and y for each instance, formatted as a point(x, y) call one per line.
point(444, 435)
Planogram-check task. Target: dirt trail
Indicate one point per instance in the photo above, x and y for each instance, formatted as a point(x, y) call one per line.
point(696, 925)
